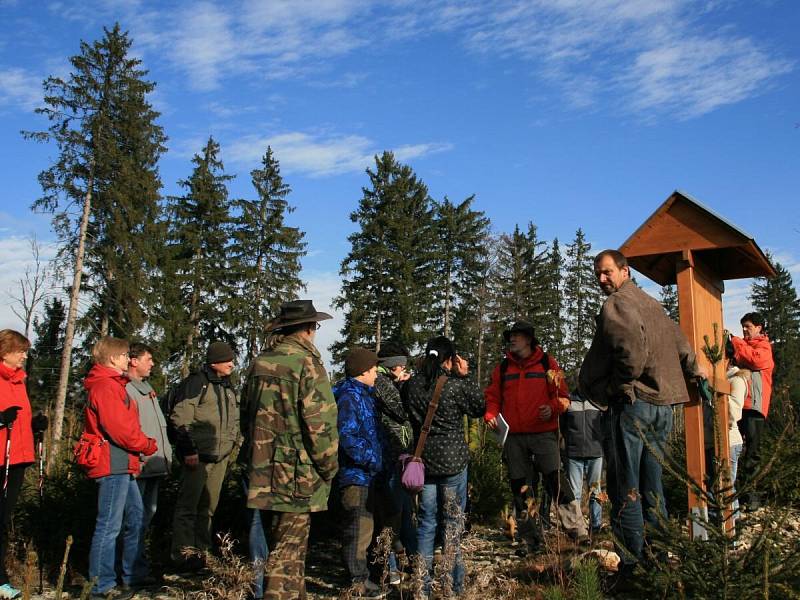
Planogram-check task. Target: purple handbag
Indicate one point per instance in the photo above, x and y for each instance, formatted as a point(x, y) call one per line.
point(411, 466)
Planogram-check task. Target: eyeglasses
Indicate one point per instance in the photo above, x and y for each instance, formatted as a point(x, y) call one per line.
point(317, 326)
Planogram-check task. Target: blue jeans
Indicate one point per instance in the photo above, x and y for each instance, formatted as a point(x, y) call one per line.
point(638, 437)
point(118, 503)
point(432, 500)
point(148, 488)
point(257, 546)
point(590, 469)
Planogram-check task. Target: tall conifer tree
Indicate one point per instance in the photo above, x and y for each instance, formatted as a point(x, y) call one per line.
point(267, 254)
point(388, 271)
point(581, 301)
point(552, 332)
point(458, 259)
point(200, 279)
point(108, 147)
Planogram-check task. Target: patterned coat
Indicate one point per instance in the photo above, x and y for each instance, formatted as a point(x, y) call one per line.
point(294, 438)
point(361, 438)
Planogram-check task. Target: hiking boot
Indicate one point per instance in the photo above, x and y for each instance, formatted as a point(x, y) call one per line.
point(114, 593)
point(395, 578)
point(142, 582)
point(9, 591)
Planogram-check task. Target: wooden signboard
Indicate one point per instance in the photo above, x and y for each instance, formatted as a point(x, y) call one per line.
point(687, 244)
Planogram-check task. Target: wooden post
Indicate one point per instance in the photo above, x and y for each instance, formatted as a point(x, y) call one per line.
point(700, 307)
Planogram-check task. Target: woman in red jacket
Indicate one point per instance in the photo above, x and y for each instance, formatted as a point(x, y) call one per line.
point(16, 437)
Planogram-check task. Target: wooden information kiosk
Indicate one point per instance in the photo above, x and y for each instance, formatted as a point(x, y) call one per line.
point(686, 243)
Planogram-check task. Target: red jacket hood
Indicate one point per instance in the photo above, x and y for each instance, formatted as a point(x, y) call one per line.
point(101, 373)
point(13, 375)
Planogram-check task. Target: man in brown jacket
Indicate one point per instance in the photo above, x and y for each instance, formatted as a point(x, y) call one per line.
point(635, 368)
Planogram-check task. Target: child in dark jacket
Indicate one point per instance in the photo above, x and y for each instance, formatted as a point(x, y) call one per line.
point(583, 428)
point(361, 449)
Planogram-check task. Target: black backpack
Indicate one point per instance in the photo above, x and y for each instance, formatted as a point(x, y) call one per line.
point(175, 394)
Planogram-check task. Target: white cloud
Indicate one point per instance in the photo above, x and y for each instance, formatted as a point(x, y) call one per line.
point(20, 88)
point(649, 56)
point(320, 155)
point(322, 288)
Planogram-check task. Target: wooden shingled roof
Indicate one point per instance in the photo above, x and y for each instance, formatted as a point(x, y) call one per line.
point(682, 223)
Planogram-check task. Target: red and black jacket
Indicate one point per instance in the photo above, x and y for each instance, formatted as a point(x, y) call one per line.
point(525, 389)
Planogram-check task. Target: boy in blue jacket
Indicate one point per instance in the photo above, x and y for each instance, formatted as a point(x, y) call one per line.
point(361, 450)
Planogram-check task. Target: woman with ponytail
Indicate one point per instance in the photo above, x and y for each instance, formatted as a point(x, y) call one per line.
point(444, 496)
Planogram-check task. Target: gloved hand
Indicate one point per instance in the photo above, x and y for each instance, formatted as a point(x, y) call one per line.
point(729, 349)
point(152, 447)
point(39, 423)
point(9, 415)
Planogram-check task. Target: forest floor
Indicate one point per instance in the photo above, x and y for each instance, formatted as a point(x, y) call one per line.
point(494, 570)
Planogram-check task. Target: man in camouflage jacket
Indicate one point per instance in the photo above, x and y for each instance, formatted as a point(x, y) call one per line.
point(294, 443)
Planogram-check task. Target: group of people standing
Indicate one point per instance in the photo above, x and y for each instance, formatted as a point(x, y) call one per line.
point(301, 438)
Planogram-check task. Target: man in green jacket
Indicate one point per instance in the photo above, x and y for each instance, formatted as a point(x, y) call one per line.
point(294, 443)
point(206, 423)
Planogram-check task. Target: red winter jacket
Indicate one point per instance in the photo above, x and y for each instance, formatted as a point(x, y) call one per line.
point(525, 390)
point(13, 393)
point(756, 354)
point(110, 413)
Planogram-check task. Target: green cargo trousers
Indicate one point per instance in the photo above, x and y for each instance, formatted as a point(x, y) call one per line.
point(195, 507)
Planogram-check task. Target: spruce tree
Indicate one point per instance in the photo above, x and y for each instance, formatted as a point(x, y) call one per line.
point(199, 284)
point(46, 354)
point(776, 300)
point(552, 332)
point(387, 273)
point(669, 300)
point(458, 259)
point(266, 254)
point(581, 301)
point(108, 146)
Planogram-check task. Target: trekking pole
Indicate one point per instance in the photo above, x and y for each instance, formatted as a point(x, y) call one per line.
point(8, 459)
point(40, 452)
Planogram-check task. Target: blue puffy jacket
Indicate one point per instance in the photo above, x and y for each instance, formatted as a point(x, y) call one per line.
point(361, 443)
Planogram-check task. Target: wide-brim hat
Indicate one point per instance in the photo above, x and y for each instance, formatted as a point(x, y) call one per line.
point(296, 312)
point(520, 327)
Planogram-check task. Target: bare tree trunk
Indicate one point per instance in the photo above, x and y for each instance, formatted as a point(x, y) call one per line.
point(378, 335)
point(194, 331)
point(69, 332)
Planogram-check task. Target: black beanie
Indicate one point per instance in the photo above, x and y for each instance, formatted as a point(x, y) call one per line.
point(218, 352)
point(358, 361)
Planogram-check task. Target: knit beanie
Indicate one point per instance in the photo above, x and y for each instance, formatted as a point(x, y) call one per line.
point(358, 361)
point(218, 352)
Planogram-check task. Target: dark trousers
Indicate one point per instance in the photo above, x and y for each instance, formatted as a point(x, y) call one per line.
point(751, 427)
point(523, 451)
point(638, 437)
point(357, 528)
point(287, 538)
point(16, 474)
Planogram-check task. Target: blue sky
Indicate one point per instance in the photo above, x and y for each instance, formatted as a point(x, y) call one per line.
point(569, 113)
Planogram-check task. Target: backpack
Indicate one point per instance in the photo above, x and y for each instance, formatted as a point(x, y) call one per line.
point(174, 396)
